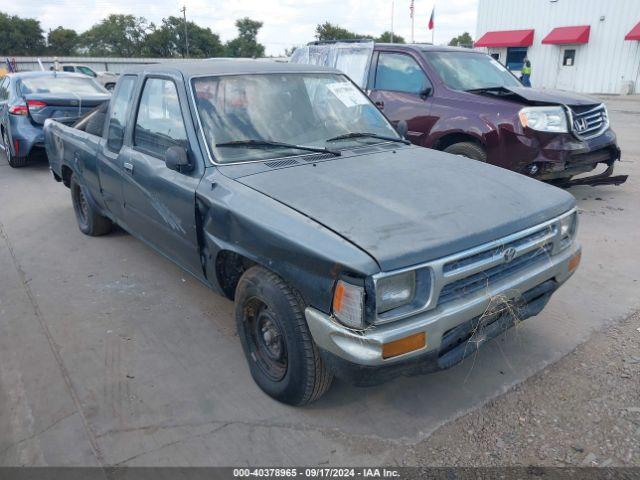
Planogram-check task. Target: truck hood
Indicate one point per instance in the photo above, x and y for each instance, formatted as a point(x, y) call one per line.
point(414, 205)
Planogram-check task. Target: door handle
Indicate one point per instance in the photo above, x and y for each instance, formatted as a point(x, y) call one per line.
point(379, 104)
point(128, 167)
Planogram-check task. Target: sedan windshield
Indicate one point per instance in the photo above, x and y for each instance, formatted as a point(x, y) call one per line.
point(60, 84)
point(265, 116)
point(470, 71)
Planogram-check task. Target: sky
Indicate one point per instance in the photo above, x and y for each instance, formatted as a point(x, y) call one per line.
point(286, 22)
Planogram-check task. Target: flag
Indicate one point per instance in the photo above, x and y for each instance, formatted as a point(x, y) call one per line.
point(411, 9)
point(433, 11)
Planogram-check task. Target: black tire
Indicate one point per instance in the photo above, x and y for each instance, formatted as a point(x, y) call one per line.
point(14, 162)
point(110, 86)
point(283, 359)
point(89, 220)
point(469, 150)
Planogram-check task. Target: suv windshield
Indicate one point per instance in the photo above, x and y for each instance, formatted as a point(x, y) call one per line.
point(60, 84)
point(470, 71)
point(243, 116)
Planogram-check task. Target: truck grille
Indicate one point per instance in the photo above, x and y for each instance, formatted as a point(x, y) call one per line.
point(471, 273)
point(589, 123)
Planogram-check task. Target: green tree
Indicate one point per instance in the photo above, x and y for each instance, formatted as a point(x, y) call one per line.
point(463, 40)
point(21, 36)
point(117, 35)
point(246, 43)
point(168, 40)
point(328, 31)
point(386, 38)
point(62, 41)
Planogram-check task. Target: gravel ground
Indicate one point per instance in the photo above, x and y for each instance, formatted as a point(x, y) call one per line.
point(582, 411)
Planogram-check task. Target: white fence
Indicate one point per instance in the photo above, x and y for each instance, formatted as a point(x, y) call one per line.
point(110, 64)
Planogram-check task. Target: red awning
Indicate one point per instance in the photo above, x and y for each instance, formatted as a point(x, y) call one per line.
point(634, 34)
point(568, 35)
point(506, 38)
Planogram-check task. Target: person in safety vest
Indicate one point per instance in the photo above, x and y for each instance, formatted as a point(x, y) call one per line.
point(526, 73)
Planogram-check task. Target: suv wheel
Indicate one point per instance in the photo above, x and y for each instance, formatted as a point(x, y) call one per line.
point(468, 149)
point(283, 359)
point(89, 220)
point(14, 162)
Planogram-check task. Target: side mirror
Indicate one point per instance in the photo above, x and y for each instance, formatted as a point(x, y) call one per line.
point(402, 128)
point(425, 93)
point(115, 136)
point(176, 159)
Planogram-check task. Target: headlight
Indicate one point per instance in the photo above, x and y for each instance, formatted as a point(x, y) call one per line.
point(348, 304)
point(544, 119)
point(568, 227)
point(395, 291)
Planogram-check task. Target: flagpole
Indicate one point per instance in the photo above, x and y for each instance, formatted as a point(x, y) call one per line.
point(412, 22)
point(433, 30)
point(392, 2)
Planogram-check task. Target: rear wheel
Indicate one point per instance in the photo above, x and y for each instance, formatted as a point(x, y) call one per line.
point(283, 359)
point(15, 162)
point(469, 150)
point(89, 220)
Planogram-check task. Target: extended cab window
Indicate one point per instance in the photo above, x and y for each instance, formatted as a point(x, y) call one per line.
point(119, 105)
point(159, 124)
point(401, 73)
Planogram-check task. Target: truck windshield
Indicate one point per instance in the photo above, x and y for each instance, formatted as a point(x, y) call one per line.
point(244, 115)
point(470, 71)
point(60, 84)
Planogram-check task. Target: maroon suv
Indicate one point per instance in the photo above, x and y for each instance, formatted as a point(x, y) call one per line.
point(465, 102)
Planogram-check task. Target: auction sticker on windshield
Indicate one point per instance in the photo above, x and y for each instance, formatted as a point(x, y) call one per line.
point(349, 95)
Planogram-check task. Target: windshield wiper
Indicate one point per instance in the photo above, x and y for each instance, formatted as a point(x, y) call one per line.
point(371, 135)
point(271, 144)
point(497, 89)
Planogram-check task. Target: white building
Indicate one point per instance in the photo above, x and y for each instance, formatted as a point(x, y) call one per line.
point(590, 46)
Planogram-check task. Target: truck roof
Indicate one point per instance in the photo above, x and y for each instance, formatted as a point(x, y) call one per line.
point(228, 66)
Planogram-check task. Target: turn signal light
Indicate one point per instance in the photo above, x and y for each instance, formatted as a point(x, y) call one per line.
point(404, 345)
point(574, 262)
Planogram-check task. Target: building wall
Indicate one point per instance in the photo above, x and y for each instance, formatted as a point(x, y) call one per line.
point(601, 66)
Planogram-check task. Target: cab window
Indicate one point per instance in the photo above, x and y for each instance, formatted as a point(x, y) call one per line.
point(119, 107)
point(400, 73)
point(87, 71)
point(159, 124)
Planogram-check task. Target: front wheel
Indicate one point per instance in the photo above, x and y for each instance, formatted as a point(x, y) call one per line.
point(90, 221)
point(468, 149)
point(283, 359)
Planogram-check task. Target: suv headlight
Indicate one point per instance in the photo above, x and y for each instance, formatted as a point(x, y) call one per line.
point(544, 119)
point(568, 228)
point(395, 291)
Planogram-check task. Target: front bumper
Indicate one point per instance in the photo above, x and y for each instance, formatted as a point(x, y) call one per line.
point(560, 156)
point(357, 356)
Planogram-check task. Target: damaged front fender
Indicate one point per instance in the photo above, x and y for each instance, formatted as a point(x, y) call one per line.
point(234, 218)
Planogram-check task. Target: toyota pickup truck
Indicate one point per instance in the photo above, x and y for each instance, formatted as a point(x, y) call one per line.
point(465, 102)
point(348, 251)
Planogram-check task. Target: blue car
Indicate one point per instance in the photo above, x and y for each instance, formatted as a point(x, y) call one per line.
point(28, 99)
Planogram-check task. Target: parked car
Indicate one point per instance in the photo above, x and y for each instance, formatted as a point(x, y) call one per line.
point(28, 99)
point(347, 250)
point(106, 79)
point(465, 102)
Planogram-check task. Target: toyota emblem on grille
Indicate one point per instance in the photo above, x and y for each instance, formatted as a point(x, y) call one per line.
point(509, 254)
point(580, 124)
